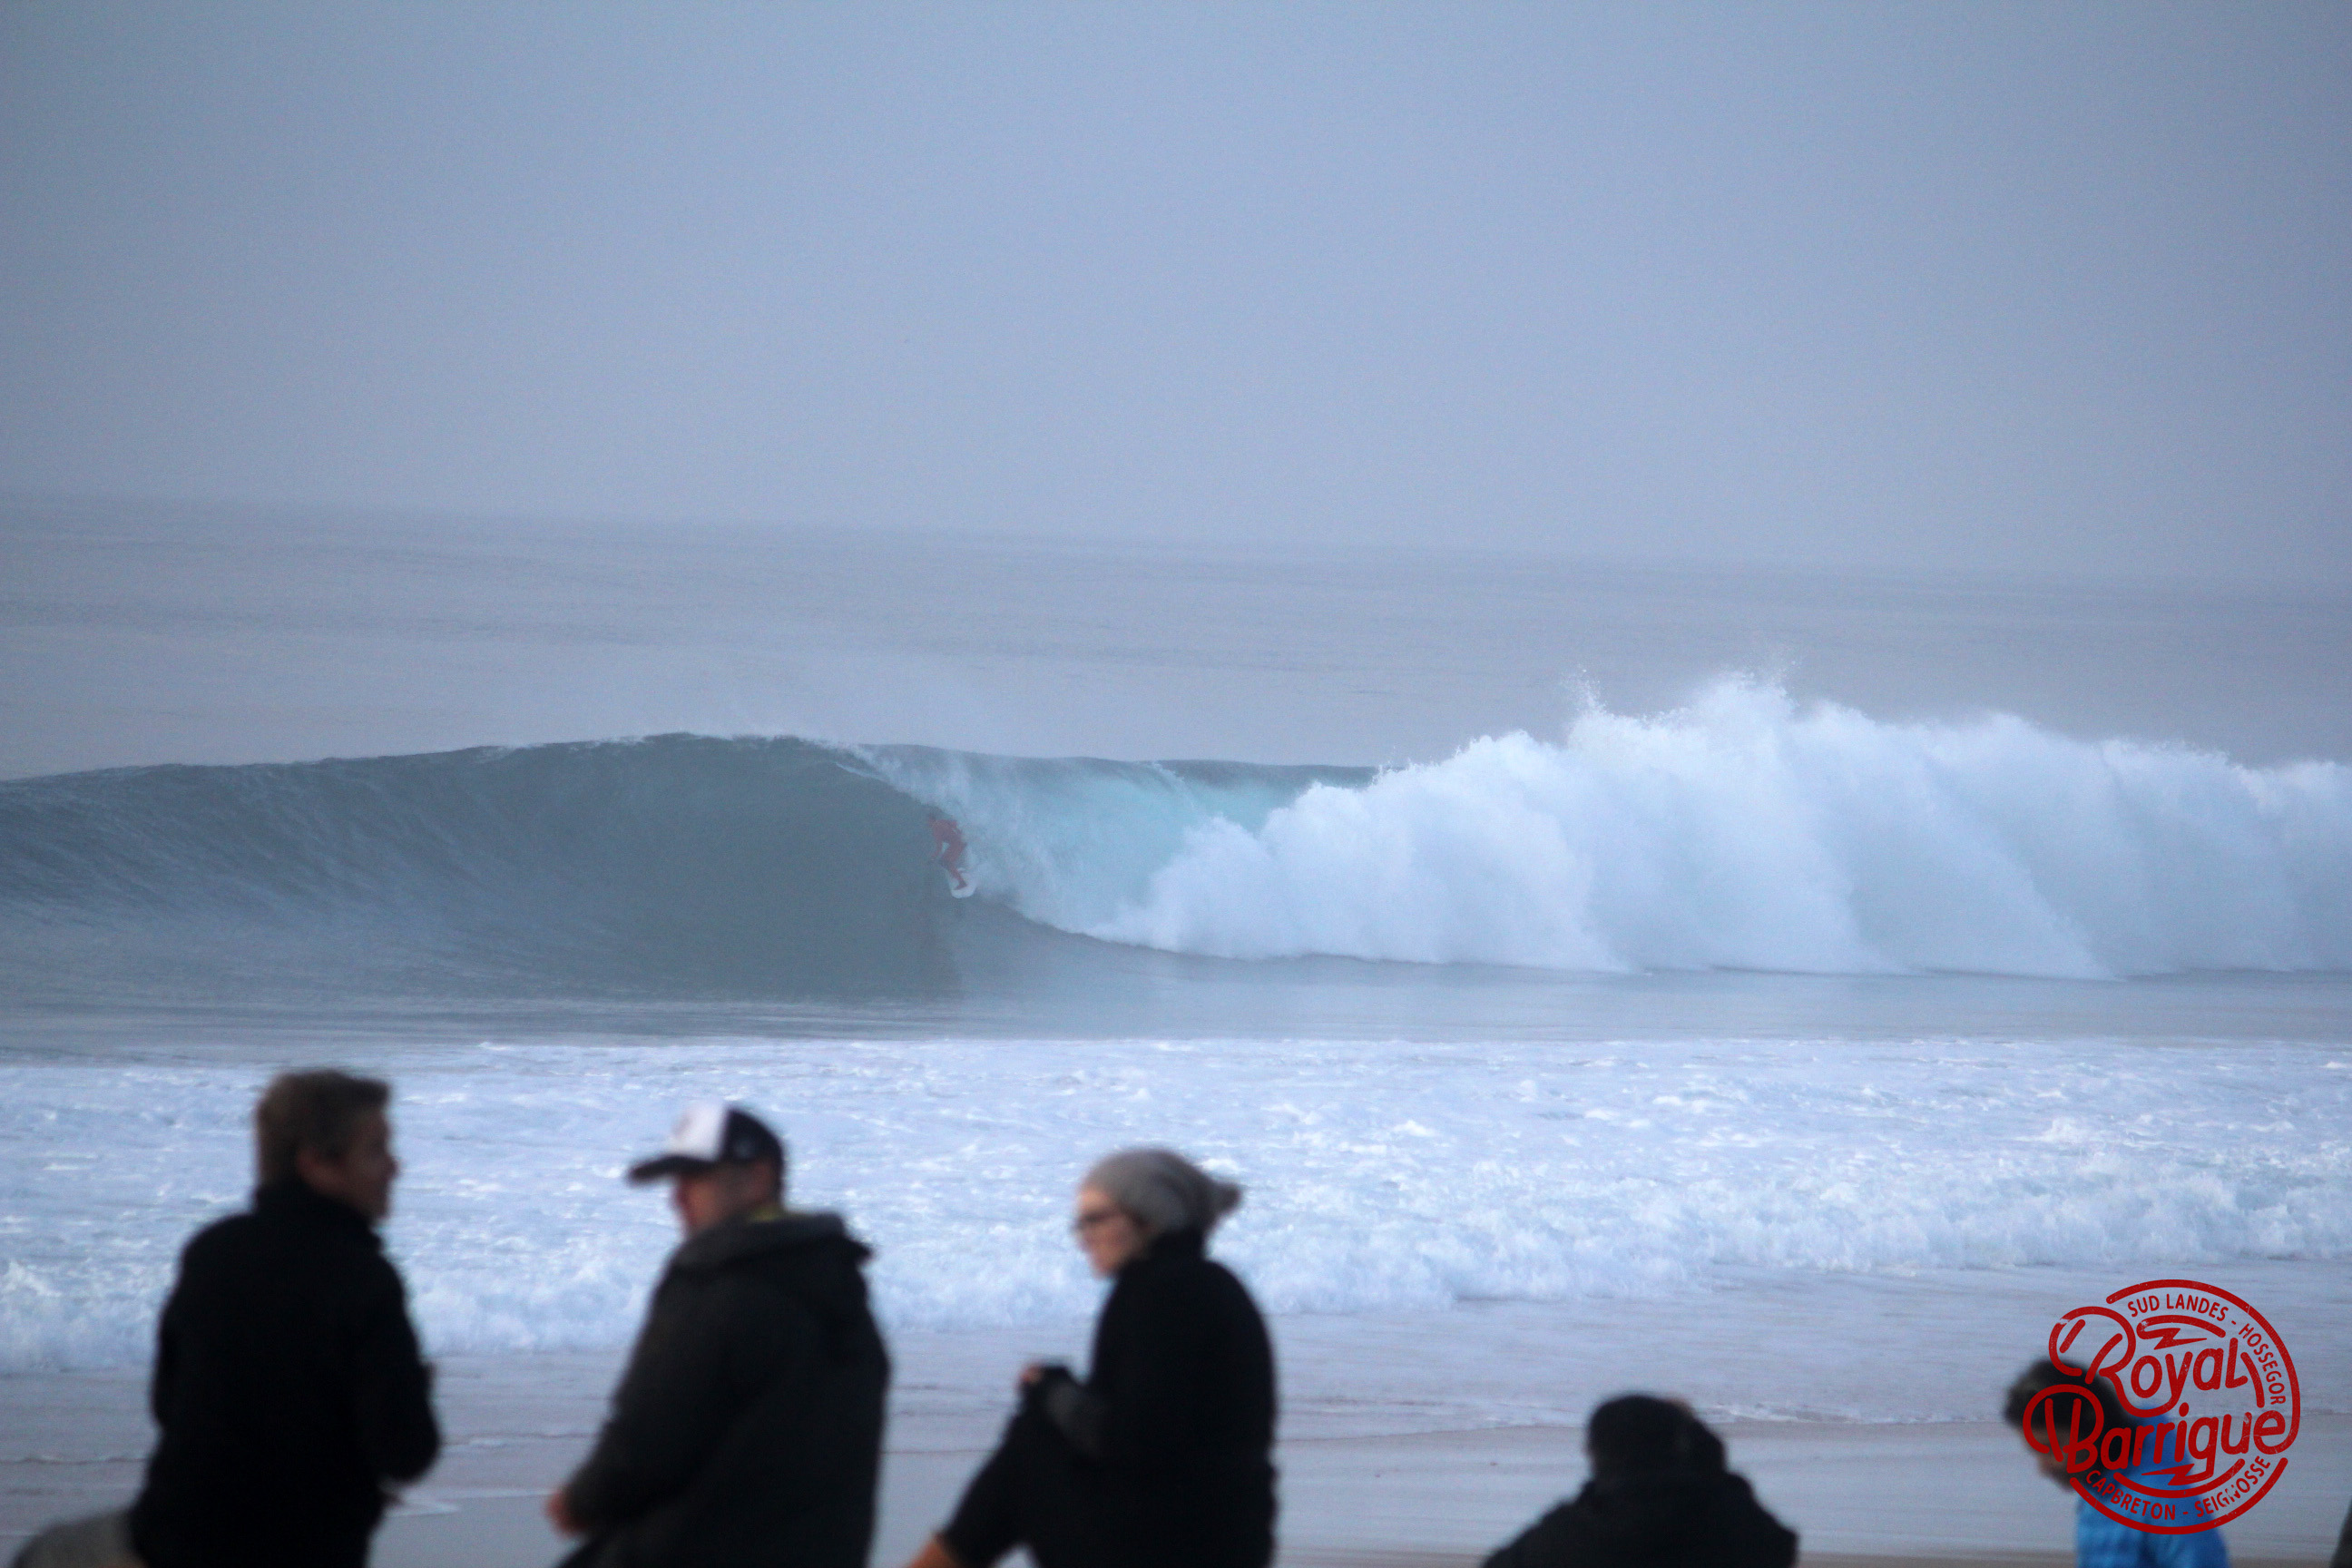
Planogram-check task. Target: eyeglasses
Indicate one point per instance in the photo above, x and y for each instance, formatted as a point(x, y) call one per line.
point(1092, 1219)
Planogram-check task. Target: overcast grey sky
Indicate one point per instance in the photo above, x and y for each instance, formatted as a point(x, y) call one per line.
point(2021, 288)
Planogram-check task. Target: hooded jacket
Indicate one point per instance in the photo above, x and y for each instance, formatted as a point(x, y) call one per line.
point(748, 1427)
point(288, 1389)
point(1700, 1517)
point(1178, 1410)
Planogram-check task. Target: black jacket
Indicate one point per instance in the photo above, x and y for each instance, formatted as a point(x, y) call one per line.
point(748, 1428)
point(1177, 1409)
point(1655, 1519)
point(289, 1390)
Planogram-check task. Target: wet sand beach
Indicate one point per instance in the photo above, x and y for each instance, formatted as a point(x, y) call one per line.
point(1858, 1492)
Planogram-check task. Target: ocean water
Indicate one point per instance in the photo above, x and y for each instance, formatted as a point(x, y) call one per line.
point(1384, 1177)
point(1859, 1015)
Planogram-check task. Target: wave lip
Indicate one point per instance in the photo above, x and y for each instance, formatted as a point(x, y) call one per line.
point(1747, 833)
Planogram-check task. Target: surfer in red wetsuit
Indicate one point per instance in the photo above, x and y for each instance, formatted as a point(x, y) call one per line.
point(951, 850)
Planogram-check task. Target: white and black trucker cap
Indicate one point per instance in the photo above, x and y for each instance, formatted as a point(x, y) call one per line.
point(706, 1134)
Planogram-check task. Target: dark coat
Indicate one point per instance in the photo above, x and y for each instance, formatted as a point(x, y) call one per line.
point(1178, 1410)
point(748, 1428)
point(1703, 1518)
point(289, 1390)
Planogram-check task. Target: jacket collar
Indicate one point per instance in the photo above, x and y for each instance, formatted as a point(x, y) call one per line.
point(293, 1198)
point(1169, 1246)
point(731, 1239)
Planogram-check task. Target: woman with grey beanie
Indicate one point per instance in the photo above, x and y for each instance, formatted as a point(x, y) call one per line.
point(1164, 1455)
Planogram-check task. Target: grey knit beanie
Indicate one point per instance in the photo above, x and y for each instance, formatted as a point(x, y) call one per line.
point(1164, 1190)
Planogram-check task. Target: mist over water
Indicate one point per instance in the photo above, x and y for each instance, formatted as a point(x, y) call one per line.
point(146, 635)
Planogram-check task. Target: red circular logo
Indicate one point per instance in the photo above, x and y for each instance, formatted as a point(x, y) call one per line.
point(2209, 1393)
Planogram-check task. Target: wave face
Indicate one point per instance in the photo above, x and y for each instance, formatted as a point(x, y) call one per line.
point(1744, 832)
point(673, 865)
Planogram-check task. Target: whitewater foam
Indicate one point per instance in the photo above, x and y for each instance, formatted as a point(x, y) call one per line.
point(1380, 1177)
point(1747, 833)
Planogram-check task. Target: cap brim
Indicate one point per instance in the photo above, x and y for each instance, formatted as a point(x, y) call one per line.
point(669, 1165)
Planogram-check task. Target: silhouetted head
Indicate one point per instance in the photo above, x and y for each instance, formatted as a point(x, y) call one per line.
point(1640, 1432)
point(2045, 1375)
point(328, 1128)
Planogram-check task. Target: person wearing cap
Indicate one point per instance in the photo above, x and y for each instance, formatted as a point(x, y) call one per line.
point(748, 1427)
point(1162, 1457)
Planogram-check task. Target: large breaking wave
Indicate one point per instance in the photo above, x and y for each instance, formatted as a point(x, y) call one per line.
point(1743, 832)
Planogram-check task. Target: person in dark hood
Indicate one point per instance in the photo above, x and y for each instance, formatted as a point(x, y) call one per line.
point(287, 1383)
point(1659, 1497)
point(748, 1427)
point(1163, 1457)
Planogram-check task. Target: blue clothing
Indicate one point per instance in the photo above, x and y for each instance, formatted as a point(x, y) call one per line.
point(2101, 1542)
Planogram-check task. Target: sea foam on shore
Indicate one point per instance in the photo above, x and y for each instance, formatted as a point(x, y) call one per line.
point(1382, 1176)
